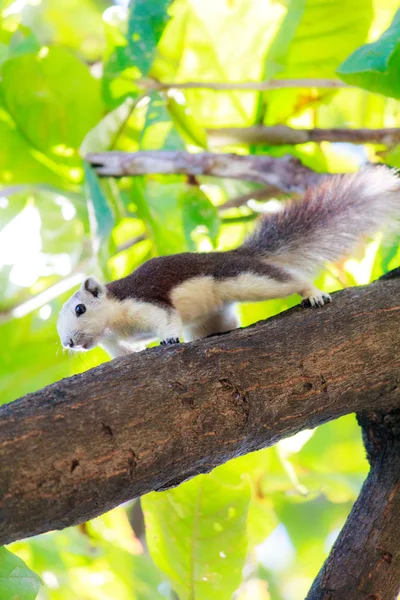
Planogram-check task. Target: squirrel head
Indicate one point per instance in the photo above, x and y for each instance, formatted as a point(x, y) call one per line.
point(83, 318)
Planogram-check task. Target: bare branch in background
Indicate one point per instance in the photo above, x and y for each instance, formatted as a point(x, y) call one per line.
point(272, 84)
point(131, 243)
point(286, 173)
point(282, 135)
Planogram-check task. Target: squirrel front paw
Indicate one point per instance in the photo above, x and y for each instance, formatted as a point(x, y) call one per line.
point(169, 341)
point(317, 300)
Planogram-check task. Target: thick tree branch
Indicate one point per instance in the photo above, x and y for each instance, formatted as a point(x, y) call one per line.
point(365, 561)
point(282, 135)
point(286, 173)
point(148, 421)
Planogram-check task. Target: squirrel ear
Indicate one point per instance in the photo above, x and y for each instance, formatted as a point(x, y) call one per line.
point(93, 286)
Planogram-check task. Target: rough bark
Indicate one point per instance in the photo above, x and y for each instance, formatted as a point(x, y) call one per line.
point(280, 135)
point(365, 560)
point(286, 174)
point(148, 421)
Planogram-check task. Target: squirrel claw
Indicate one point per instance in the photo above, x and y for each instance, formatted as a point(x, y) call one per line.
point(169, 341)
point(316, 301)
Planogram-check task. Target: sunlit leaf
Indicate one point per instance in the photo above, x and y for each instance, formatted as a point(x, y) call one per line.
point(119, 77)
point(19, 162)
point(53, 98)
point(307, 46)
point(104, 134)
point(185, 121)
point(159, 130)
point(376, 66)
point(17, 582)
point(196, 534)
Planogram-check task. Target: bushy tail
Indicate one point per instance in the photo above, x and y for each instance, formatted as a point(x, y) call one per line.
point(329, 221)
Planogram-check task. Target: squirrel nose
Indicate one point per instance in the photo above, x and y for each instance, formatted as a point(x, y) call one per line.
point(70, 343)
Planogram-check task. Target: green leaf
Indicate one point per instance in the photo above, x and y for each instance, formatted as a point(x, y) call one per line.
point(307, 46)
point(376, 66)
point(19, 162)
point(17, 582)
point(53, 99)
point(145, 26)
point(197, 534)
point(309, 523)
point(168, 123)
point(158, 205)
point(138, 573)
point(101, 217)
point(198, 211)
point(104, 134)
point(158, 130)
point(119, 77)
point(185, 121)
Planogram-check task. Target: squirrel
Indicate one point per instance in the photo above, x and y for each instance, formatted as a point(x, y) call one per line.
point(194, 294)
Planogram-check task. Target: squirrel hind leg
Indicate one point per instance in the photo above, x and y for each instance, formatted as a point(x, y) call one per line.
point(314, 298)
point(219, 321)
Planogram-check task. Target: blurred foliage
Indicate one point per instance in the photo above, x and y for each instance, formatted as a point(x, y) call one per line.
point(72, 81)
point(16, 580)
point(376, 66)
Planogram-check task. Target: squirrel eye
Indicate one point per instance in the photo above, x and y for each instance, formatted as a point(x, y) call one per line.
point(80, 309)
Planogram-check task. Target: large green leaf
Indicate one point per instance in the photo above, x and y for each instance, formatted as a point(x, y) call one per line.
point(53, 99)
point(17, 582)
point(197, 534)
point(314, 38)
point(376, 66)
point(20, 162)
point(307, 42)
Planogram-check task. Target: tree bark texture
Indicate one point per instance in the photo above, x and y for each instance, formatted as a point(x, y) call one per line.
point(286, 174)
point(365, 560)
point(149, 421)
